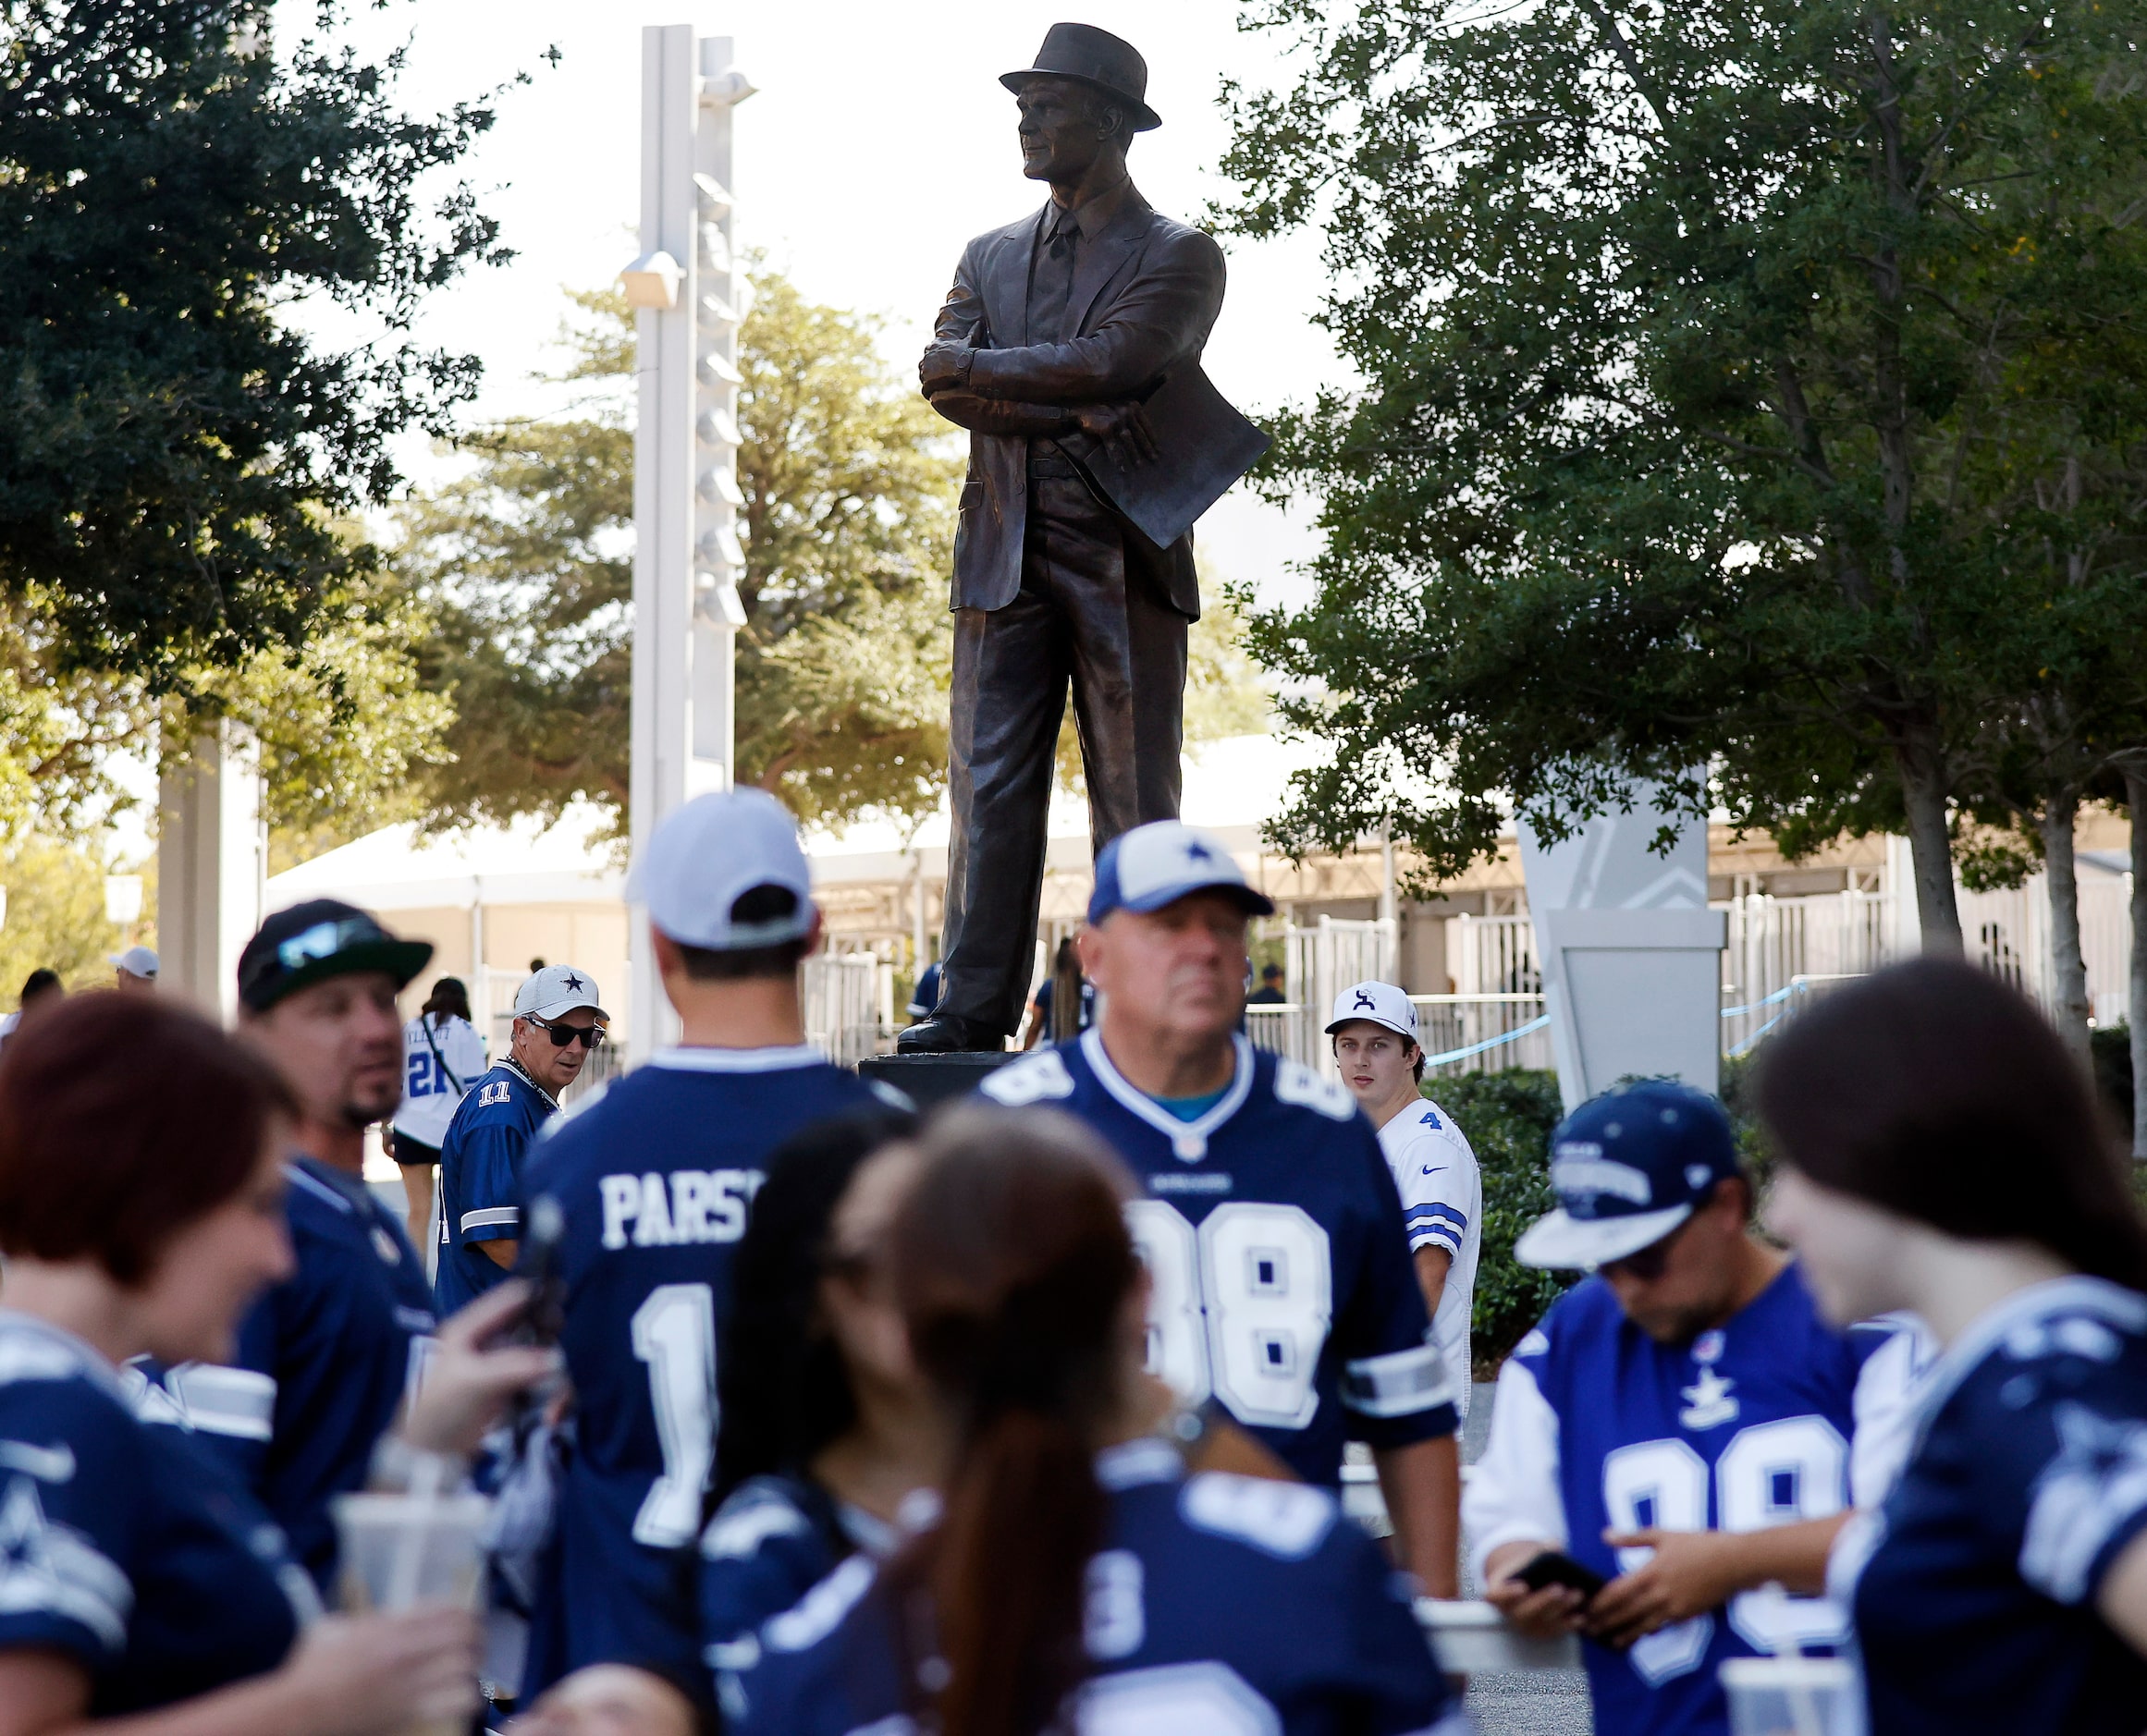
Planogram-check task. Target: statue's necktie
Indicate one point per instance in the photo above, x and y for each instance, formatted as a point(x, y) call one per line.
point(1052, 287)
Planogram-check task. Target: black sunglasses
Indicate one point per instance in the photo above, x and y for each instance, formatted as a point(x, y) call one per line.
point(592, 1036)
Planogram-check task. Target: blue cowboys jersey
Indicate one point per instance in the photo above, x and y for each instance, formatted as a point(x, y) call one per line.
point(1273, 1234)
point(480, 1159)
point(1975, 1602)
point(773, 1539)
point(654, 1177)
point(1774, 1418)
point(124, 1548)
point(1223, 1604)
point(326, 1359)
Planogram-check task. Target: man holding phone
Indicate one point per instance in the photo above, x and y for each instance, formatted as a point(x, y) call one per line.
point(1674, 1446)
point(557, 1025)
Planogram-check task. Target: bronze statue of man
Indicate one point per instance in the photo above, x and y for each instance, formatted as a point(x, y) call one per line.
point(1070, 348)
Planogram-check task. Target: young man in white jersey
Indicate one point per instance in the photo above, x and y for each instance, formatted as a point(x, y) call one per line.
point(1374, 1033)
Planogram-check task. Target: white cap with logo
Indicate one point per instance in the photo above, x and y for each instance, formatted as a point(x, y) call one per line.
point(711, 852)
point(1381, 1003)
point(556, 989)
point(138, 962)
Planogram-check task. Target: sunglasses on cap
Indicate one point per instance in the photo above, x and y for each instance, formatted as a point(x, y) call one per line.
point(325, 940)
point(590, 1036)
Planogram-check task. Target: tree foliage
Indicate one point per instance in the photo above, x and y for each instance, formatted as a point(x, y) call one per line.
point(56, 916)
point(1746, 386)
point(175, 451)
point(848, 526)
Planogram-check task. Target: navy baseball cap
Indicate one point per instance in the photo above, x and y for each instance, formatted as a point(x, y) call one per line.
point(311, 942)
point(1165, 860)
point(1628, 1168)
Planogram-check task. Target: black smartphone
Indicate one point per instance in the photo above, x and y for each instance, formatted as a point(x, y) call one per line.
point(1553, 1567)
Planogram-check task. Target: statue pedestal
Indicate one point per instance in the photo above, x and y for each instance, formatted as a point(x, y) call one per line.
point(931, 1080)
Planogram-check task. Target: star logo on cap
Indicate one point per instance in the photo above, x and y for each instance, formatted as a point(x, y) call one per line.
point(1198, 850)
point(575, 983)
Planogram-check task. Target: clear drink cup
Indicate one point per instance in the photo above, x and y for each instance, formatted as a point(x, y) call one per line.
point(409, 1552)
point(1793, 1696)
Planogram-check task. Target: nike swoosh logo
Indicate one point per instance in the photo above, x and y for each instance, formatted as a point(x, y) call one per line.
point(48, 1464)
point(1434, 1169)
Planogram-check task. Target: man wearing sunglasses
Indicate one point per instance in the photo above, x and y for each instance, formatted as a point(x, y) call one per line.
point(1682, 1425)
point(557, 1025)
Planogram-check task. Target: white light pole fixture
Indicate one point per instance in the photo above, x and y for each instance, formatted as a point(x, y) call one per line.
point(690, 297)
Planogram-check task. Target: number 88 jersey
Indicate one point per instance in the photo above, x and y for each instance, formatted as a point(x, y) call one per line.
point(1280, 1282)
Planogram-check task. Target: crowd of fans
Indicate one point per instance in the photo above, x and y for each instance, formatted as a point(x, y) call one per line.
point(792, 1411)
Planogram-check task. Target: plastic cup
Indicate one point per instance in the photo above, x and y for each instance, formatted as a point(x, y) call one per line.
point(1793, 1696)
point(410, 1551)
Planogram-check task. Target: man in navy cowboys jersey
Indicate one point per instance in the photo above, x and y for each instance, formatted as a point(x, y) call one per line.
point(1281, 1282)
point(326, 1357)
point(654, 1176)
point(557, 1025)
point(1684, 1423)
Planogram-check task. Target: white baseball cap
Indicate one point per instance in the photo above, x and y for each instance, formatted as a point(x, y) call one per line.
point(711, 852)
point(1379, 1003)
point(138, 962)
point(556, 989)
point(1163, 861)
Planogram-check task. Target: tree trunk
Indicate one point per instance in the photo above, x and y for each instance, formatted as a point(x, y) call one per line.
point(2136, 800)
point(1923, 794)
point(2067, 964)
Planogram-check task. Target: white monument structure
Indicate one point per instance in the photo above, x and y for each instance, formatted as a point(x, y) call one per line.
point(212, 868)
point(690, 297)
point(1630, 953)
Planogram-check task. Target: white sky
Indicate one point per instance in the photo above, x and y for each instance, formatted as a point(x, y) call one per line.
point(879, 142)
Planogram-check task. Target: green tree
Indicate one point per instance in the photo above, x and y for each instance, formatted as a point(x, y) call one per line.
point(175, 452)
point(56, 916)
point(848, 487)
point(1737, 377)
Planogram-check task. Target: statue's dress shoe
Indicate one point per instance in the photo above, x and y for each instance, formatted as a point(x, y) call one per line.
point(949, 1033)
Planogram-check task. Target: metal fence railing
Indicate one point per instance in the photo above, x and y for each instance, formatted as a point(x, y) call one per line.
point(843, 992)
point(1461, 1034)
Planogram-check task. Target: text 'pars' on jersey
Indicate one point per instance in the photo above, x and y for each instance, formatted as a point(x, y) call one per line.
point(653, 1177)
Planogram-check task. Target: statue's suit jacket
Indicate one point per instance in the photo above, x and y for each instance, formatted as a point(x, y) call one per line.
point(1146, 294)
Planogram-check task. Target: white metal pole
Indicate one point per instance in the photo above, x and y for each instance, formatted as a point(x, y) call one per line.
point(687, 557)
point(209, 848)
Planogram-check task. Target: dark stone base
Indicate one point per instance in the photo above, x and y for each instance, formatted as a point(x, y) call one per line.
point(931, 1080)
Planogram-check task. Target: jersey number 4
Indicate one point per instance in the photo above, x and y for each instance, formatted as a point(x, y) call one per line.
point(1239, 1308)
point(674, 1334)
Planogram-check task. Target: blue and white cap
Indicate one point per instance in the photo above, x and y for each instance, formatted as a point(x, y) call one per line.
point(1381, 1003)
point(1163, 861)
point(709, 853)
point(1628, 1168)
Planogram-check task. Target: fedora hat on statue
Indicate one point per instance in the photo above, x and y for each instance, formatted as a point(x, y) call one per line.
point(1095, 57)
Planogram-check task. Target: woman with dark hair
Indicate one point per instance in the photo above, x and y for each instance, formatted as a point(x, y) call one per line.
point(1079, 1578)
point(141, 1211)
point(1943, 1153)
point(826, 1430)
point(442, 1057)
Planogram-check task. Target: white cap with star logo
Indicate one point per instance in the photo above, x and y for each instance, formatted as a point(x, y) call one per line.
point(556, 989)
